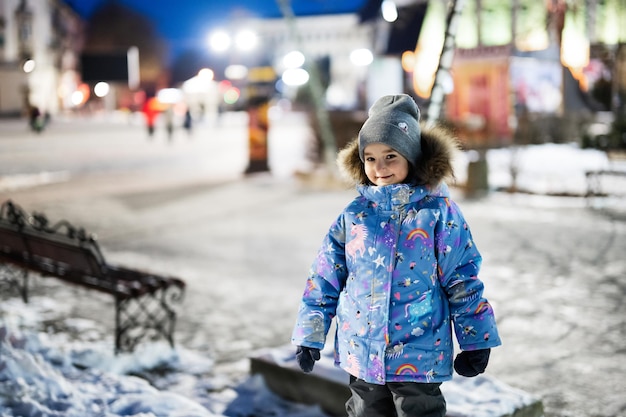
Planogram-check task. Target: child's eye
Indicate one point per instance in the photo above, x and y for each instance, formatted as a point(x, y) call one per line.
point(369, 159)
point(391, 156)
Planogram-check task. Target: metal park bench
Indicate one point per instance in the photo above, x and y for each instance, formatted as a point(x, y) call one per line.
point(144, 302)
point(605, 182)
point(606, 192)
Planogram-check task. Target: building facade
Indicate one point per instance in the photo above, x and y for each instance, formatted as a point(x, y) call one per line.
point(524, 62)
point(40, 44)
point(322, 38)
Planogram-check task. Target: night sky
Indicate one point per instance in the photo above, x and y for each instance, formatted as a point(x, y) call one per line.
point(186, 23)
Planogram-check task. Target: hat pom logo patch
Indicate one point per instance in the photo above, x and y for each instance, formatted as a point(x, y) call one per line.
point(404, 127)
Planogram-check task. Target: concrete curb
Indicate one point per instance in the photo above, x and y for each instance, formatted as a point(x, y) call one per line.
point(327, 386)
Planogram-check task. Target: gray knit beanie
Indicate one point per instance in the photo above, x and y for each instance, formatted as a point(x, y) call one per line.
point(394, 121)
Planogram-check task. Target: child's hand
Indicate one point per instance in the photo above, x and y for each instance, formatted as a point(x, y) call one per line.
point(471, 362)
point(306, 357)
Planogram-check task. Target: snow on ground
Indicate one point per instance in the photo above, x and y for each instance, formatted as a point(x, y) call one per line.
point(44, 372)
point(555, 169)
point(48, 375)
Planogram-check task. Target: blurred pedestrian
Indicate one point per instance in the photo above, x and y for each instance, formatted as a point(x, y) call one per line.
point(151, 110)
point(169, 122)
point(399, 271)
point(46, 118)
point(35, 121)
point(187, 122)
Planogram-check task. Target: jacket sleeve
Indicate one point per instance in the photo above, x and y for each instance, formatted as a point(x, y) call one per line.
point(326, 279)
point(459, 264)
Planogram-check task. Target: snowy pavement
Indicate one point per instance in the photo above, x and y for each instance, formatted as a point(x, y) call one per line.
point(554, 271)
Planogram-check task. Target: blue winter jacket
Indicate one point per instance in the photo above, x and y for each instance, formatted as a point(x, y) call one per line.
point(398, 270)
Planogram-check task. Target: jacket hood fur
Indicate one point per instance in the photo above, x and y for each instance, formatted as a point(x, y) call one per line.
point(431, 168)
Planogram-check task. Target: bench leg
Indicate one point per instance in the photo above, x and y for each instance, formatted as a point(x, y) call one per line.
point(151, 316)
point(594, 185)
point(15, 279)
point(118, 337)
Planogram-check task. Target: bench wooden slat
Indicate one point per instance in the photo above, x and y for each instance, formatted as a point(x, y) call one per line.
point(11, 240)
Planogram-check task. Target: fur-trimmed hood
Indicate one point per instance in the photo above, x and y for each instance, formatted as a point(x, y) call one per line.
point(432, 167)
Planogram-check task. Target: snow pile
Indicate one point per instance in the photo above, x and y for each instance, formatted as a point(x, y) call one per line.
point(38, 379)
point(44, 374)
point(49, 375)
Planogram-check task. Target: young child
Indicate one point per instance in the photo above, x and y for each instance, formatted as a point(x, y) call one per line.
point(399, 270)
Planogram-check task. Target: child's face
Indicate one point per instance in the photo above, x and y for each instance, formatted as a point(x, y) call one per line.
point(384, 165)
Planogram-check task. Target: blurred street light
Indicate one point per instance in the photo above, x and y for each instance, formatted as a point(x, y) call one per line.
point(246, 40)
point(80, 95)
point(574, 43)
point(77, 98)
point(206, 74)
point(389, 11)
point(243, 41)
point(231, 95)
point(236, 72)
point(294, 77)
point(219, 41)
point(101, 89)
point(361, 57)
point(425, 59)
point(201, 83)
point(294, 59)
point(29, 66)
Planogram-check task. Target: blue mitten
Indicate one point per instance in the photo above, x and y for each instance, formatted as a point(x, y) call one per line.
point(471, 362)
point(306, 357)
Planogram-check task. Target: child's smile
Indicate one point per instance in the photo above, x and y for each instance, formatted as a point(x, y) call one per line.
point(384, 165)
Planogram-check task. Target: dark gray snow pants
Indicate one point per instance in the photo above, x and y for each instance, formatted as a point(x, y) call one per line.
point(395, 399)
